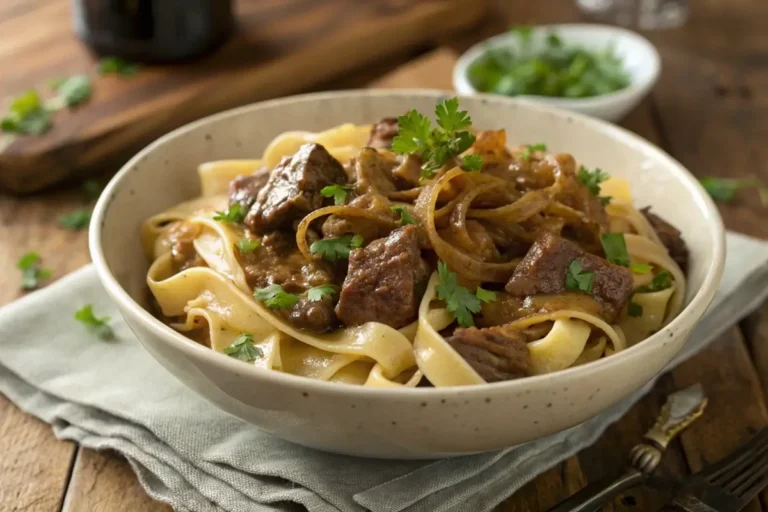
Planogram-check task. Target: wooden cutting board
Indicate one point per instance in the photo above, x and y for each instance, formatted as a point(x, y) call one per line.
point(282, 47)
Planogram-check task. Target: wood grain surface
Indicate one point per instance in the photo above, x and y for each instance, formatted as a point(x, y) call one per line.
point(708, 111)
point(281, 47)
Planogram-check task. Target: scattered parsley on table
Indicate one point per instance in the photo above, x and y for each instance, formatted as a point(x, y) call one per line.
point(98, 326)
point(31, 271)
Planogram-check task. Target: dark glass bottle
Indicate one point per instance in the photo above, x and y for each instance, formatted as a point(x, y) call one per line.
point(153, 30)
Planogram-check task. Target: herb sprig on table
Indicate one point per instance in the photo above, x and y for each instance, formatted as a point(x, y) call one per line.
point(724, 190)
point(437, 145)
point(99, 326)
point(552, 68)
point(32, 273)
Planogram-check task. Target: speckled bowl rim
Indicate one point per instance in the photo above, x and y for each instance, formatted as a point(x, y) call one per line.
point(711, 221)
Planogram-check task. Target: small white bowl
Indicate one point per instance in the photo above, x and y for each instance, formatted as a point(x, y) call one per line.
point(640, 58)
point(391, 422)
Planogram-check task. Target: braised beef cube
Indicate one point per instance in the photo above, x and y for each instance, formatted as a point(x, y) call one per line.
point(495, 353)
point(670, 236)
point(544, 268)
point(373, 172)
point(293, 188)
point(382, 133)
point(244, 189)
point(382, 281)
point(315, 316)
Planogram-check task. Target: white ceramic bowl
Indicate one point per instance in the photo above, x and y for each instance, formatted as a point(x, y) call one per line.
point(640, 58)
point(384, 422)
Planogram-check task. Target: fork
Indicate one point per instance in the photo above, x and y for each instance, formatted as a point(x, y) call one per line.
point(728, 485)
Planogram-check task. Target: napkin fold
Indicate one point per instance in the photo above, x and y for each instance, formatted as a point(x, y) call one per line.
point(186, 452)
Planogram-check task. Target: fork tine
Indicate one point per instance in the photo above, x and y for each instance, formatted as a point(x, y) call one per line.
point(755, 478)
point(737, 459)
point(733, 478)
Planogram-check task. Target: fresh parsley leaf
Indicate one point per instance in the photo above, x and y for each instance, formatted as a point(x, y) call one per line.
point(578, 279)
point(524, 32)
point(76, 220)
point(117, 66)
point(640, 268)
point(337, 192)
point(529, 149)
point(471, 162)
point(31, 272)
point(605, 200)
point(243, 349)
point(458, 300)
point(485, 295)
point(634, 309)
point(235, 214)
point(405, 215)
point(615, 248)
point(661, 281)
point(317, 293)
point(99, 326)
point(72, 91)
point(55, 83)
point(554, 40)
point(26, 115)
point(92, 189)
point(274, 297)
point(724, 189)
point(436, 146)
point(592, 179)
point(333, 249)
point(245, 244)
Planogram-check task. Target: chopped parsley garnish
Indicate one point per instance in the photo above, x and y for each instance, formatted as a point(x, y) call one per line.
point(592, 179)
point(578, 279)
point(405, 215)
point(458, 300)
point(31, 271)
point(333, 249)
point(640, 268)
point(724, 189)
point(316, 294)
point(485, 295)
point(235, 214)
point(615, 248)
point(76, 220)
point(71, 91)
point(471, 162)
point(92, 189)
point(337, 192)
point(553, 68)
point(661, 281)
point(26, 115)
point(605, 200)
point(98, 326)
point(245, 244)
point(274, 297)
point(117, 66)
point(243, 349)
point(437, 145)
point(529, 149)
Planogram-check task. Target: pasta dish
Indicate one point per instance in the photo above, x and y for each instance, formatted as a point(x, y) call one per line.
point(413, 252)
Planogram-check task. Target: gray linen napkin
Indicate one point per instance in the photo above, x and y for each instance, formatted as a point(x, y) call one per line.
point(113, 395)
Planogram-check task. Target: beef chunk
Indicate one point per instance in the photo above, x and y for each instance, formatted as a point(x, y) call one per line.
point(293, 188)
point(315, 316)
point(244, 189)
point(496, 353)
point(181, 237)
point(670, 236)
point(382, 281)
point(382, 133)
point(544, 268)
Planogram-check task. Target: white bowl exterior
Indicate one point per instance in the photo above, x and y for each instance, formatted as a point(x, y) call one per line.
point(398, 423)
point(639, 56)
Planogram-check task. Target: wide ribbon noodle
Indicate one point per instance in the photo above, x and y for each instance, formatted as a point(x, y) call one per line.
point(211, 301)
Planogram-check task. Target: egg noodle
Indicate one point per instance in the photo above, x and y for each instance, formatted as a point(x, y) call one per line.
point(214, 303)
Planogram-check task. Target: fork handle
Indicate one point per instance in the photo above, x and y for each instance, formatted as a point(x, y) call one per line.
point(597, 494)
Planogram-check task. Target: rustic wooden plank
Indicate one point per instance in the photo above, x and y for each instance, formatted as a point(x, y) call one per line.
point(280, 48)
point(34, 466)
point(105, 481)
point(547, 490)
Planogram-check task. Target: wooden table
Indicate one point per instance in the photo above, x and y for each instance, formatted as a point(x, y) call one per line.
point(709, 110)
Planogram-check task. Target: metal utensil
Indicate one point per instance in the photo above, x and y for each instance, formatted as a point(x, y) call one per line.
point(680, 410)
point(730, 484)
